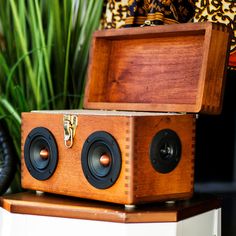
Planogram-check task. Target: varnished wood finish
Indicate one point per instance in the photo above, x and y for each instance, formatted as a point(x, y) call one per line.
point(54, 205)
point(173, 68)
point(138, 181)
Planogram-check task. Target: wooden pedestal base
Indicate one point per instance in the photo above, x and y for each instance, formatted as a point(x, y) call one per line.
point(33, 214)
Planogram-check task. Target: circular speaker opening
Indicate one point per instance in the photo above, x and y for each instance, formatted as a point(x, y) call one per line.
point(40, 153)
point(165, 151)
point(101, 160)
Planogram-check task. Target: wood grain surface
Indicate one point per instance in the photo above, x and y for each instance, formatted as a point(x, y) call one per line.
point(61, 206)
point(171, 68)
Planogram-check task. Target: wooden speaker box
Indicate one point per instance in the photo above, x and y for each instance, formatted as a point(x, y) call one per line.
point(116, 156)
point(138, 155)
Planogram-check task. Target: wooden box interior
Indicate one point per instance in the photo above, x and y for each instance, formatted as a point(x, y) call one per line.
point(170, 68)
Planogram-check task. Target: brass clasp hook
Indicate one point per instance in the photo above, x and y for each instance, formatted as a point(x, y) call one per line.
point(70, 123)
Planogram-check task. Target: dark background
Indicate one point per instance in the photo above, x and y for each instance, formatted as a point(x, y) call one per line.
point(215, 139)
point(215, 159)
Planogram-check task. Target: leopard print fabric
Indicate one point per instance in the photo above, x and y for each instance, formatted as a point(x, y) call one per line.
point(223, 11)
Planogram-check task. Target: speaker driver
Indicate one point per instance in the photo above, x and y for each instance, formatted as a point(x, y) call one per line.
point(165, 151)
point(101, 160)
point(40, 153)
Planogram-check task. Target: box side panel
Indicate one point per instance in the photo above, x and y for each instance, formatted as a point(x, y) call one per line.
point(98, 67)
point(150, 184)
point(216, 67)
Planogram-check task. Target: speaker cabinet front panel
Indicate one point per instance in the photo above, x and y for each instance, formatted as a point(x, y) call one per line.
point(113, 157)
point(69, 178)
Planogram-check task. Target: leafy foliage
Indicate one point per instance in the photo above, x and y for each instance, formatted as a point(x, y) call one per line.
point(43, 56)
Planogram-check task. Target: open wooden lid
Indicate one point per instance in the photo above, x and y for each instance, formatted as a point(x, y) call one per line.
point(168, 68)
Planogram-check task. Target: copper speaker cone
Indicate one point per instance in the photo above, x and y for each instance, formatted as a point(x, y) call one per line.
point(44, 154)
point(105, 160)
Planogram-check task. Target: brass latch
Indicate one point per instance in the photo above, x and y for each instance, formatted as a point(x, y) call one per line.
point(70, 123)
point(148, 23)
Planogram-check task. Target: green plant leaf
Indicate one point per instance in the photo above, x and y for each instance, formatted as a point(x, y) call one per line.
point(9, 108)
point(44, 57)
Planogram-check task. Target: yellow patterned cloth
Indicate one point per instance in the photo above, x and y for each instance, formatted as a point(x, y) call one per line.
point(114, 14)
point(120, 13)
point(158, 12)
point(223, 11)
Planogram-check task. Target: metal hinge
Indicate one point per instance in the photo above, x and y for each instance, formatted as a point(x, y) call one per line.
point(70, 123)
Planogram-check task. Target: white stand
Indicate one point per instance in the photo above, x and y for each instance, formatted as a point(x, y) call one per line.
point(14, 224)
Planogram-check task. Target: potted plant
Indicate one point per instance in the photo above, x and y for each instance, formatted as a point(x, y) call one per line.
point(43, 58)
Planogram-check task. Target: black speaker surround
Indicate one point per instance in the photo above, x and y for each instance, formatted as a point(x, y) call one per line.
point(40, 153)
point(165, 151)
point(101, 160)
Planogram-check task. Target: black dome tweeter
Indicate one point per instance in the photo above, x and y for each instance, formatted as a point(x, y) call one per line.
point(101, 160)
point(165, 151)
point(40, 153)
